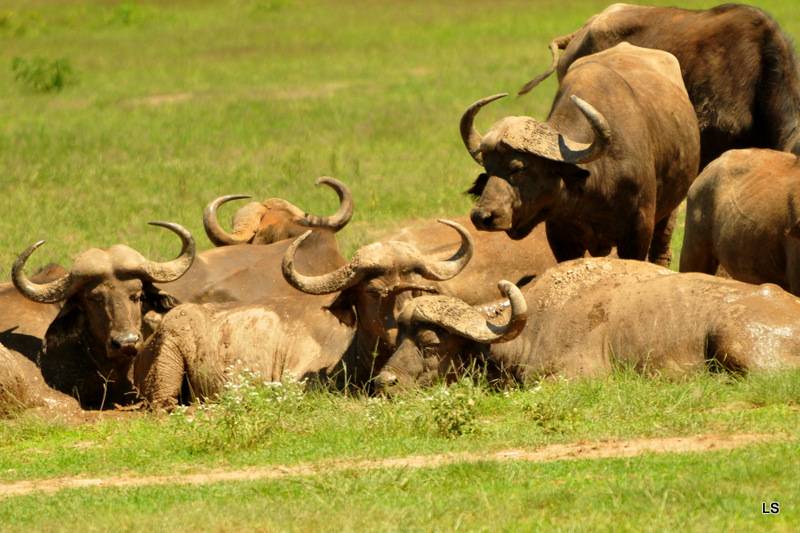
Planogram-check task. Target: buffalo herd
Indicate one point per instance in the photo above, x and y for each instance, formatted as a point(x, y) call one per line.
point(572, 222)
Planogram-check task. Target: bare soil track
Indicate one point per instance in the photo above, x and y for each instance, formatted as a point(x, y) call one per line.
point(554, 452)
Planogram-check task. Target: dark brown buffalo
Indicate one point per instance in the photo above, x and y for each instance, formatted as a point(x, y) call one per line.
point(609, 167)
point(740, 70)
point(275, 219)
point(342, 330)
point(89, 346)
point(743, 213)
point(585, 317)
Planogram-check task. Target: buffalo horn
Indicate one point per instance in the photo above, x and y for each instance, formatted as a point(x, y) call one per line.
point(469, 133)
point(449, 268)
point(338, 280)
point(55, 291)
point(217, 235)
point(170, 270)
point(602, 136)
point(335, 222)
point(465, 321)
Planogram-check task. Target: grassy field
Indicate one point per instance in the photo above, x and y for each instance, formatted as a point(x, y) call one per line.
point(118, 113)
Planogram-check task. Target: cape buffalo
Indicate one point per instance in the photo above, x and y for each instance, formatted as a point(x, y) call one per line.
point(743, 213)
point(739, 68)
point(275, 219)
point(24, 322)
point(342, 330)
point(609, 167)
point(496, 257)
point(89, 346)
point(238, 272)
point(23, 387)
point(583, 317)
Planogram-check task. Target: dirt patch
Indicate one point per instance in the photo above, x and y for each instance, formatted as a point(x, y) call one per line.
point(554, 452)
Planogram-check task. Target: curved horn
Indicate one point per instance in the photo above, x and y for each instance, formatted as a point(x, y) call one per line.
point(334, 222)
point(449, 268)
point(337, 280)
point(217, 235)
point(171, 270)
point(469, 133)
point(343, 215)
point(466, 321)
point(55, 291)
point(602, 136)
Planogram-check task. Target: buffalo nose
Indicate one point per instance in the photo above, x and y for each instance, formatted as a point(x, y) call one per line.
point(482, 219)
point(385, 380)
point(126, 340)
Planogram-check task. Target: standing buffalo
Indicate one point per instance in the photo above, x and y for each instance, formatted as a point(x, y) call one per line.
point(610, 166)
point(739, 68)
point(89, 346)
point(743, 213)
point(343, 329)
point(275, 219)
point(583, 317)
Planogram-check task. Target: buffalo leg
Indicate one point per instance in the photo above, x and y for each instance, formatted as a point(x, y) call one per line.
point(660, 251)
point(636, 243)
point(698, 252)
point(563, 248)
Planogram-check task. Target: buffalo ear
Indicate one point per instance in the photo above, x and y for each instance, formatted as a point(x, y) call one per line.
point(573, 176)
point(343, 308)
point(478, 185)
point(157, 300)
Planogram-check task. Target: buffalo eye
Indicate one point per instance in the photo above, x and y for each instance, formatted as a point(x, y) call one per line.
point(478, 185)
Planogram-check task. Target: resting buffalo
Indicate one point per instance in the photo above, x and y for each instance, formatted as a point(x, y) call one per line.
point(743, 213)
point(238, 272)
point(343, 329)
point(496, 257)
point(89, 346)
point(610, 166)
point(583, 317)
point(275, 219)
point(22, 387)
point(24, 322)
point(739, 68)
point(245, 273)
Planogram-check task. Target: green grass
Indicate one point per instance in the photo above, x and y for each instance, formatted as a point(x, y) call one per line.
point(176, 103)
point(714, 491)
point(722, 489)
point(172, 104)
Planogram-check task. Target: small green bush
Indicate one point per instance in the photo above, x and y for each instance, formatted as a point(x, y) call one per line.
point(453, 407)
point(244, 413)
point(41, 75)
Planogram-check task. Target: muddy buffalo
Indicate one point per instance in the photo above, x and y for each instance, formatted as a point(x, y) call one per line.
point(585, 317)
